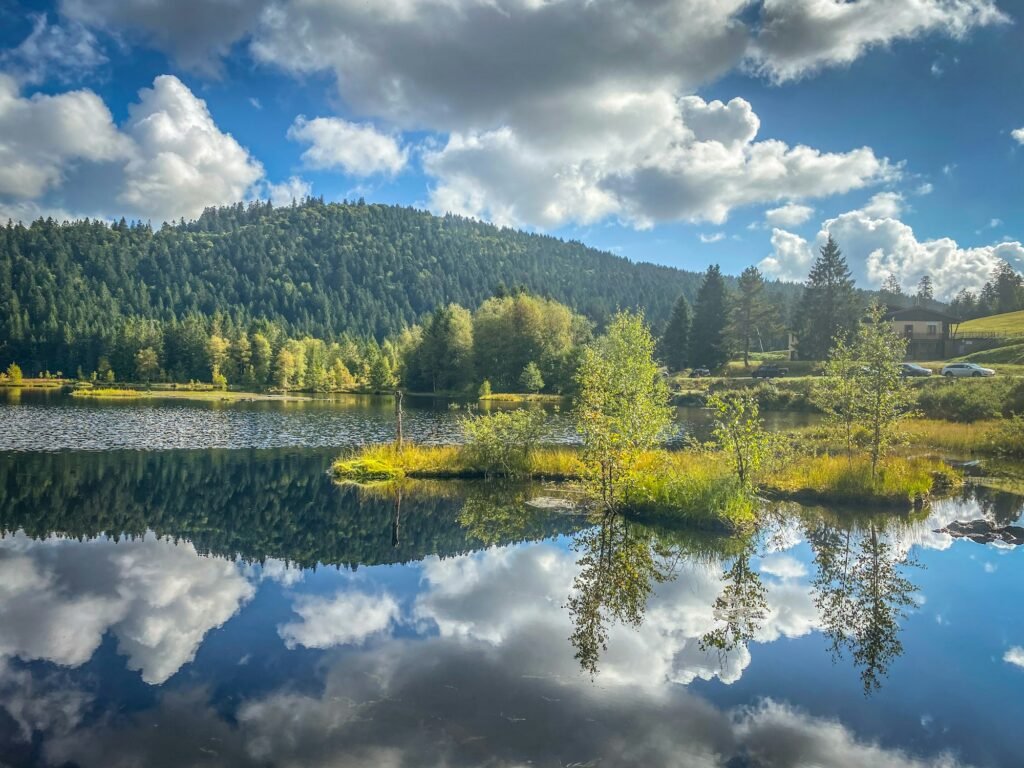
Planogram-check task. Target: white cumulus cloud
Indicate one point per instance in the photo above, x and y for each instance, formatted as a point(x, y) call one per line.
point(45, 136)
point(798, 37)
point(1015, 656)
point(789, 215)
point(358, 149)
point(63, 155)
point(884, 205)
point(686, 160)
point(183, 161)
point(877, 244)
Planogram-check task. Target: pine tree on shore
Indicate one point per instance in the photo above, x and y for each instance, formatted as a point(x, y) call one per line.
point(709, 344)
point(752, 313)
point(676, 339)
point(828, 308)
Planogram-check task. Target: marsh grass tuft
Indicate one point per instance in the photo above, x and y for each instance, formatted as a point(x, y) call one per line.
point(842, 480)
point(107, 393)
point(695, 487)
point(452, 462)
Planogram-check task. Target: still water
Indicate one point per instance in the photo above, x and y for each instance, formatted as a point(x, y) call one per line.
point(51, 420)
point(232, 606)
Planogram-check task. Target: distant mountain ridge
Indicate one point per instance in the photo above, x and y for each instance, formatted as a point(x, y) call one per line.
point(317, 268)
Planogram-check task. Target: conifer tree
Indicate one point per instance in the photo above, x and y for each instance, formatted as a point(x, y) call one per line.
point(709, 345)
point(1006, 288)
point(828, 308)
point(925, 292)
point(752, 314)
point(675, 342)
point(891, 288)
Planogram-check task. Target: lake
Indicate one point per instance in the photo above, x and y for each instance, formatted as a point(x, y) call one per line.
point(218, 600)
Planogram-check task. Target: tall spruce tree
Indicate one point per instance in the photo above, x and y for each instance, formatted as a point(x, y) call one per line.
point(891, 291)
point(752, 313)
point(828, 308)
point(925, 292)
point(675, 342)
point(709, 344)
point(1006, 285)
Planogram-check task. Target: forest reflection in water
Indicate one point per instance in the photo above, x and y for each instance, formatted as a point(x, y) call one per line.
point(199, 587)
point(281, 504)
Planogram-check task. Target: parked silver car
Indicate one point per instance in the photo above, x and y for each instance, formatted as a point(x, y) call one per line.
point(967, 369)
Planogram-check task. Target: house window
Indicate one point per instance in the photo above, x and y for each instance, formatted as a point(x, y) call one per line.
point(908, 330)
point(933, 329)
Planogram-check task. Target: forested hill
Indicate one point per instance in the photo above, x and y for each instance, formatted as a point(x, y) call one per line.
point(315, 268)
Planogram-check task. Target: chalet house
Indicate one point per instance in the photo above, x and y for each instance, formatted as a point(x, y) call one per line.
point(929, 333)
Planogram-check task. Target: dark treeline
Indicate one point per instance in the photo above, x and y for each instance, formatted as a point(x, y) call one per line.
point(1004, 292)
point(249, 504)
point(756, 315)
point(69, 290)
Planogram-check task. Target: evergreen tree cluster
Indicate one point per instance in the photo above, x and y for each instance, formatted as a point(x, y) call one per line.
point(68, 291)
point(722, 321)
point(1004, 292)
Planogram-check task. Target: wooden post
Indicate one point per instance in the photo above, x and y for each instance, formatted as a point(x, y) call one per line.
point(399, 437)
point(396, 522)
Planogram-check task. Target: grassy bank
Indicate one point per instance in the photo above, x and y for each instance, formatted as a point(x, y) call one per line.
point(29, 383)
point(841, 480)
point(107, 393)
point(990, 437)
point(695, 487)
point(209, 395)
point(386, 462)
point(511, 397)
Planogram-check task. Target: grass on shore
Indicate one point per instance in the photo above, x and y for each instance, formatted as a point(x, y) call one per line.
point(990, 437)
point(108, 393)
point(30, 383)
point(696, 488)
point(387, 462)
point(210, 395)
point(841, 480)
point(512, 397)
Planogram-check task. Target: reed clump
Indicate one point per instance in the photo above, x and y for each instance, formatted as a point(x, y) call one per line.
point(697, 488)
point(107, 393)
point(844, 480)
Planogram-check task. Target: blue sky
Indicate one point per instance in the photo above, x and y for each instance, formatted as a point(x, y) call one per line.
point(664, 130)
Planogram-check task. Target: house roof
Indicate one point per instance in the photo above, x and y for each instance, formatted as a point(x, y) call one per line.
point(919, 313)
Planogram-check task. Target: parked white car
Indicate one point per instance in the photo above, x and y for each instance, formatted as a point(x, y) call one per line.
point(967, 369)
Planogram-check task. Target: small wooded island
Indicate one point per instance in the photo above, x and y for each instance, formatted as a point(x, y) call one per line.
point(622, 414)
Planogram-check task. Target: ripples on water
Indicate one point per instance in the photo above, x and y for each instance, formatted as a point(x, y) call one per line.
point(61, 423)
point(53, 421)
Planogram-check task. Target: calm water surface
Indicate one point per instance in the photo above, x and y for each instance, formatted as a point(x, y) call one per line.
point(235, 607)
point(50, 420)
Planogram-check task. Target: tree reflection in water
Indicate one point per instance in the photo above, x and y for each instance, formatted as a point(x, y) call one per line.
point(739, 609)
point(861, 595)
point(619, 564)
point(860, 591)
